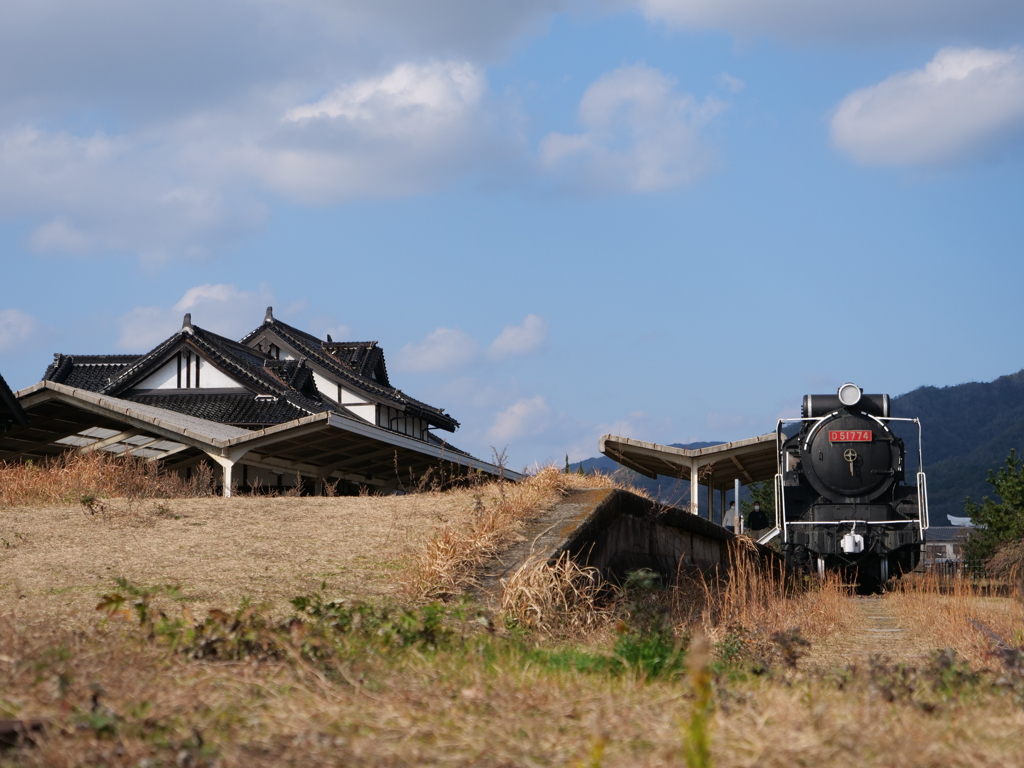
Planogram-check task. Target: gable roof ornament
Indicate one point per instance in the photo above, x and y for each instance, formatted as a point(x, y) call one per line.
point(186, 323)
point(269, 317)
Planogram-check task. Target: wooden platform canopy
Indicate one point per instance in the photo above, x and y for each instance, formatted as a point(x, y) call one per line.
point(716, 467)
point(322, 446)
point(11, 412)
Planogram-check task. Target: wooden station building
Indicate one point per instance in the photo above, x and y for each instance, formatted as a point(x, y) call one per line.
point(274, 407)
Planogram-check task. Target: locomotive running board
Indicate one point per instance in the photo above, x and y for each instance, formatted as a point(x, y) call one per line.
point(769, 536)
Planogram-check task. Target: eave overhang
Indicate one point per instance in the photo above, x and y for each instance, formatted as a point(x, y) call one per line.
point(320, 445)
point(750, 460)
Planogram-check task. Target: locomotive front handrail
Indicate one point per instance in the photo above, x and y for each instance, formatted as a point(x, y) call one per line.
point(858, 522)
point(780, 507)
point(922, 500)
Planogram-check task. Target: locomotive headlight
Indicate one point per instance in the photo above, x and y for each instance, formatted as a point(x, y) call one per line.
point(849, 394)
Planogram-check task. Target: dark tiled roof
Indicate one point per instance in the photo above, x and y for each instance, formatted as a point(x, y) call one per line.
point(321, 353)
point(105, 359)
point(247, 365)
point(365, 358)
point(295, 374)
point(11, 411)
point(92, 372)
point(241, 409)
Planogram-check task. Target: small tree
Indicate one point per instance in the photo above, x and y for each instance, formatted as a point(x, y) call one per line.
point(997, 523)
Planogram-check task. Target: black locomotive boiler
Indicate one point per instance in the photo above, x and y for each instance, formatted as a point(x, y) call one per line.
point(842, 497)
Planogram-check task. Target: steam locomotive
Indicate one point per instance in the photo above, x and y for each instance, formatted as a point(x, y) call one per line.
point(841, 496)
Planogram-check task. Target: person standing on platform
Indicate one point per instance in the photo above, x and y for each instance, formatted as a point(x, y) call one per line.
point(758, 519)
point(729, 521)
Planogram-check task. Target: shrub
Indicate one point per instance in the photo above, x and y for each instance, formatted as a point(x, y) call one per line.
point(997, 522)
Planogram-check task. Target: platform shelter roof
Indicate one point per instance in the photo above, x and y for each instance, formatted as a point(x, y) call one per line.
point(320, 446)
point(718, 466)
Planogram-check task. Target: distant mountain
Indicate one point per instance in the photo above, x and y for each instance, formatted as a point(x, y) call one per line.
point(967, 430)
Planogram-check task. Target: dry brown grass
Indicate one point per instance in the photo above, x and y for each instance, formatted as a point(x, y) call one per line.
point(448, 564)
point(1007, 563)
point(563, 600)
point(751, 593)
point(560, 599)
point(69, 478)
point(219, 550)
point(456, 708)
point(490, 701)
point(943, 612)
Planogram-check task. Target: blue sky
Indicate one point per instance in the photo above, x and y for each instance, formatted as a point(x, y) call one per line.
point(667, 219)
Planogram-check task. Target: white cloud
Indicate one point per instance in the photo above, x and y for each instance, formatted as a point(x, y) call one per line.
point(110, 193)
point(186, 111)
point(854, 20)
point(407, 100)
point(468, 26)
point(171, 57)
point(223, 309)
point(964, 101)
point(444, 349)
point(410, 129)
point(520, 339)
point(641, 135)
point(191, 187)
point(16, 328)
point(524, 418)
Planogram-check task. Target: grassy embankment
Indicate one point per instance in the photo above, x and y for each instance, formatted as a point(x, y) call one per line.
point(178, 668)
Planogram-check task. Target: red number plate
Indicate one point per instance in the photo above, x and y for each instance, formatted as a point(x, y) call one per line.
point(850, 436)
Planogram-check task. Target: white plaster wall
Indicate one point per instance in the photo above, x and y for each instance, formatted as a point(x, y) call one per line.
point(365, 412)
point(327, 387)
point(348, 396)
point(166, 377)
point(212, 378)
point(331, 389)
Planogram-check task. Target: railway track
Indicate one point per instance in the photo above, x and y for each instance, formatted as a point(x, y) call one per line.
point(875, 630)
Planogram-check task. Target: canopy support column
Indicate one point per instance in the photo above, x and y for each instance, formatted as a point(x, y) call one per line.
point(227, 463)
point(739, 513)
point(694, 488)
